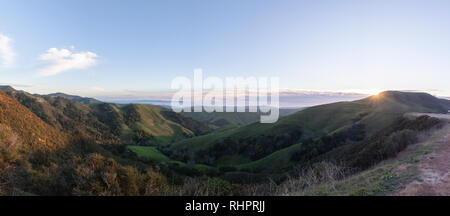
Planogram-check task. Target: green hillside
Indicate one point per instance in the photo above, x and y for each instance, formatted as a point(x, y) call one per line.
point(274, 162)
point(156, 125)
point(257, 140)
point(221, 119)
point(149, 152)
point(226, 119)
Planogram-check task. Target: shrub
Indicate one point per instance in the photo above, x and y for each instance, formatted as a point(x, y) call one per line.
point(155, 184)
point(97, 175)
point(206, 186)
point(398, 141)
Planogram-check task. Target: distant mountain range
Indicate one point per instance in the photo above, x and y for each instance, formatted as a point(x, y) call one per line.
point(83, 100)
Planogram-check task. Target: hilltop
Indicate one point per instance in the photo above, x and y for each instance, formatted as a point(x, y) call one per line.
point(83, 100)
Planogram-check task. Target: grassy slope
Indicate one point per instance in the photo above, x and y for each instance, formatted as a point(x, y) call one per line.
point(221, 119)
point(315, 121)
point(276, 161)
point(383, 179)
point(202, 142)
point(153, 122)
point(375, 112)
point(149, 152)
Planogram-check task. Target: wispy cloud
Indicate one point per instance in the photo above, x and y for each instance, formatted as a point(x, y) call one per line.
point(6, 51)
point(60, 60)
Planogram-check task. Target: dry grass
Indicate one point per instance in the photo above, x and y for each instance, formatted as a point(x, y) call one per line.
point(315, 174)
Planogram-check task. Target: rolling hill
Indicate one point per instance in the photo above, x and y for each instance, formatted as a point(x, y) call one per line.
point(157, 125)
point(255, 141)
point(109, 123)
point(22, 130)
point(233, 119)
point(38, 159)
point(222, 119)
point(56, 145)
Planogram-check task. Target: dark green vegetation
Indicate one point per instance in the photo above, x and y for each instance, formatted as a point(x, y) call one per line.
point(67, 145)
point(228, 119)
point(221, 119)
point(351, 148)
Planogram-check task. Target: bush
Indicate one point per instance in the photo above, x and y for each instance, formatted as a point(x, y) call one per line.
point(206, 186)
point(311, 149)
point(97, 175)
point(398, 141)
point(155, 184)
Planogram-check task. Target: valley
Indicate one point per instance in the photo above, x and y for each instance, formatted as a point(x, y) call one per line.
point(62, 144)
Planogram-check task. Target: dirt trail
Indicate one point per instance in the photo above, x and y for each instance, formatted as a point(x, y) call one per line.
point(433, 168)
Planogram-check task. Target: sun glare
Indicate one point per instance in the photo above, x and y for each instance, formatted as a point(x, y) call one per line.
point(373, 92)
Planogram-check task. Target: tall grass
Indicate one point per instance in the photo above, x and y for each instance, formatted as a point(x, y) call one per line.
point(305, 177)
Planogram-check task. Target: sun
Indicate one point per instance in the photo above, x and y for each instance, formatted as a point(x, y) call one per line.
point(372, 92)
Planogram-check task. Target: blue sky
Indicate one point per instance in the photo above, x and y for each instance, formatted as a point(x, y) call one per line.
point(138, 47)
